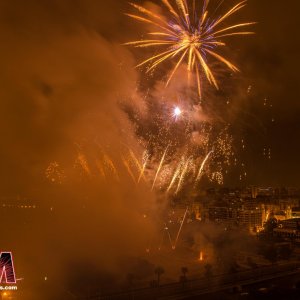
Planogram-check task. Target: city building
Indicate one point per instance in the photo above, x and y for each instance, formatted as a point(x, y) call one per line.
point(289, 230)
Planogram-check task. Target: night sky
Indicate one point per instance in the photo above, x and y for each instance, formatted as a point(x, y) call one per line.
point(272, 66)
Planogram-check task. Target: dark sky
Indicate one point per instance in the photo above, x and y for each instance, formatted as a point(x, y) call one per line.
point(272, 59)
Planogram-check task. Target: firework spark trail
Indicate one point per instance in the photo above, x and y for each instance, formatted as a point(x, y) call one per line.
point(101, 169)
point(175, 176)
point(169, 236)
point(180, 228)
point(145, 160)
point(203, 165)
point(183, 173)
point(190, 35)
point(81, 160)
point(159, 167)
point(141, 168)
point(166, 229)
point(127, 166)
point(109, 163)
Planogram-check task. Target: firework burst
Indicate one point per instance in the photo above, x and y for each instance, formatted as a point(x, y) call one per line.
point(189, 35)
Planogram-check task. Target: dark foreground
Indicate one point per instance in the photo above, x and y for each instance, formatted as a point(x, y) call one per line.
point(272, 282)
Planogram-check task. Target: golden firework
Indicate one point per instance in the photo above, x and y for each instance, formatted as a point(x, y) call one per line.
point(190, 35)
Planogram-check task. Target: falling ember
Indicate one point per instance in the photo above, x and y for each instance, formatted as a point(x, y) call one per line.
point(201, 256)
point(188, 34)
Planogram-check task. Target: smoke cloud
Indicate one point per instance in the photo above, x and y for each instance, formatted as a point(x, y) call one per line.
point(63, 85)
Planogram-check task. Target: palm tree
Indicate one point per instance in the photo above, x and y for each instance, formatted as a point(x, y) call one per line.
point(158, 272)
point(184, 271)
point(130, 278)
point(183, 279)
point(208, 271)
